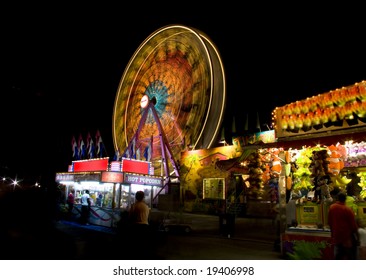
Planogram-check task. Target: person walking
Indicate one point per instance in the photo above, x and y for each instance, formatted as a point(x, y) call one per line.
point(85, 207)
point(344, 229)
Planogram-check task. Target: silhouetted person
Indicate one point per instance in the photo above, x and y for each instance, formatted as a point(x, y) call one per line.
point(139, 227)
point(70, 203)
point(99, 200)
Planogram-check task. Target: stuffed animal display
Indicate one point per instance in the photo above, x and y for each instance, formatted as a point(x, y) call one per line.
point(321, 189)
point(321, 175)
point(319, 163)
point(335, 162)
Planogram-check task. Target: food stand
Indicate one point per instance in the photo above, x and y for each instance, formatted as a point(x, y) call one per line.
point(112, 186)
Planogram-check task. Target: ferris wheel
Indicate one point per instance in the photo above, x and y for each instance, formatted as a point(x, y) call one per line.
point(176, 72)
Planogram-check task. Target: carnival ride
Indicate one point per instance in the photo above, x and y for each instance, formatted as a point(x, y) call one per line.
point(171, 97)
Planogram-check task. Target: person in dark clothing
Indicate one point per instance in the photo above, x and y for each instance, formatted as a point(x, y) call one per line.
point(70, 203)
point(100, 200)
point(344, 229)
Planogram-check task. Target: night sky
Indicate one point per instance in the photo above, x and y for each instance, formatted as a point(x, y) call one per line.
point(61, 68)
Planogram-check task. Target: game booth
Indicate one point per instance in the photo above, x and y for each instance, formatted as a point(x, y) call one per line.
point(321, 135)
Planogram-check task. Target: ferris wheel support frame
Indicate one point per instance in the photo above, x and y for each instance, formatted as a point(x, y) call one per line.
point(165, 148)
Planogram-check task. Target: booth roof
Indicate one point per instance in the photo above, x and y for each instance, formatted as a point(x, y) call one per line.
point(326, 138)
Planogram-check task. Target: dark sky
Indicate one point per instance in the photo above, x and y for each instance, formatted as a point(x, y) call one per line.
point(61, 67)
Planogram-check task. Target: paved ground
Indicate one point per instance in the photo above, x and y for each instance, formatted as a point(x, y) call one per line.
point(256, 229)
point(210, 238)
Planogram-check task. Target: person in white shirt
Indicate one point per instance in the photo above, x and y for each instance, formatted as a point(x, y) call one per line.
point(85, 207)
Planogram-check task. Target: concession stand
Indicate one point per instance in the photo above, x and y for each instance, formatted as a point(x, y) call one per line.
point(112, 186)
point(321, 135)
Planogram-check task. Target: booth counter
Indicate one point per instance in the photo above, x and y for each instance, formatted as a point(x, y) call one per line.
point(309, 241)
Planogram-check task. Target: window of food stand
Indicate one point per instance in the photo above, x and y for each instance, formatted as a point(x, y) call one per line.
point(96, 189)
point(101, 194)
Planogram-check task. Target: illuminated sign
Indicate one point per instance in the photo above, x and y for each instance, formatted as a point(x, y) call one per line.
point(135, 166)
point(142, 180)
point(81, 177)
point(78, 177)
point(64, 177)
point(100, 164)
point(112, 177)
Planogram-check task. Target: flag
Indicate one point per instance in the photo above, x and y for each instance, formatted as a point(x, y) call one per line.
point(97, 143)
point(138, 156)
point(81, 146)
point(100, 146)
point(75, 151)
point(148, 150)
point(90, 146)
point(133, 148)
point(127, 153)
point(116, 156)
point(88, 138)
point(91, 150)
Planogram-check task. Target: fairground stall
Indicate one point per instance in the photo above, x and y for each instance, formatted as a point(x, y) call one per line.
point(260, 177)
point(220, 180)
point(324, 135)
point(112, 186)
